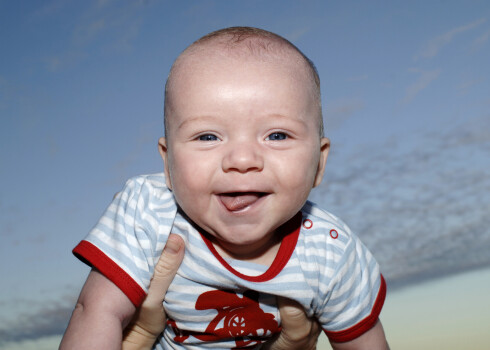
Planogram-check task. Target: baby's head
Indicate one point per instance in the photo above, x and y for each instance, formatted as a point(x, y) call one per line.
point(244, 136)
point(248, 42)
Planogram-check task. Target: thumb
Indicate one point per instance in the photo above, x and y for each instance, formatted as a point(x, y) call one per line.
point(298, 331)
point(294, 320)
point(166, 268)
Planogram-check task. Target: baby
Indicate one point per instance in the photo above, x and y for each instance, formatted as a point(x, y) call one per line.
point(244, 146)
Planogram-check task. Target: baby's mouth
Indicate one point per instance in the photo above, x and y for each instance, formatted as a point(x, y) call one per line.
point(235, 201)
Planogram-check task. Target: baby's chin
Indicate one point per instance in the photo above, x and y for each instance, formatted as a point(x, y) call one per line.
point(238, 237)
point(240, 247)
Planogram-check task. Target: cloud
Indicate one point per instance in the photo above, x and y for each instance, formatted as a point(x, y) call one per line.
point(47, 321)
point(337, 112)
point(102, 27)
point(480, 41)
point(417, 201)
point(468, 84)
point(436, 44)
point(44, 343)
point(48, 9)
point(87, 32)
point(425, 78)
point(298, 33)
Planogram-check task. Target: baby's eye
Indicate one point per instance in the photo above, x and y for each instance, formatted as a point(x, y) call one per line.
point(277, 136)
point(207, 137)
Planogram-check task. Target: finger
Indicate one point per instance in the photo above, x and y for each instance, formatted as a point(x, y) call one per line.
point(293, 319)
point(298, 331)
point(166, 268)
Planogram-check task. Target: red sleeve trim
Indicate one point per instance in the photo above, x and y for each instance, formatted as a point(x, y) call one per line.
point(366, 324)
point(93, 256)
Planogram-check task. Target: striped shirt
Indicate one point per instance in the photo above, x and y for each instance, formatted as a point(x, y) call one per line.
point(220, 303)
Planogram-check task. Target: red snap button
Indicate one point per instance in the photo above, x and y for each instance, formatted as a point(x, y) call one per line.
point(307, 224)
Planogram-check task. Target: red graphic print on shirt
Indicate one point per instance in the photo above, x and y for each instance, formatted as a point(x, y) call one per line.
point(241, 319)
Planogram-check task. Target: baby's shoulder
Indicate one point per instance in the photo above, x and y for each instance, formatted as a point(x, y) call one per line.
point(151, 184)
point(156, 180)
point(147, 193)
point(323, 230)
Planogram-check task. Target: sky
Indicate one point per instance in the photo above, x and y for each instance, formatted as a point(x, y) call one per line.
point(406, 103)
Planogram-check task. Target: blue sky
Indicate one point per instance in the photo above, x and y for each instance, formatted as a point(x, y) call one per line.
point(405, 93)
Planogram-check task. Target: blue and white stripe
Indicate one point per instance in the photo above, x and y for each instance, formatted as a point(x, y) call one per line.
point(335, 280)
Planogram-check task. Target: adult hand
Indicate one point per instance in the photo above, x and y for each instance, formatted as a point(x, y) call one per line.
point(298, 331)
point(150, 319)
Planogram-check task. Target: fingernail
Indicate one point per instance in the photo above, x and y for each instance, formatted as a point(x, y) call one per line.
point(173, 246)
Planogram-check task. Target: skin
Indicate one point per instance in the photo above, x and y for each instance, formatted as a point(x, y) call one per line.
point(245, 125)
point(150, 319)
point(298, 332)
point(102, 312)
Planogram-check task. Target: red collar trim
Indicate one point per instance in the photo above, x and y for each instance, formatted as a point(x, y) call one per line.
point(289, 230)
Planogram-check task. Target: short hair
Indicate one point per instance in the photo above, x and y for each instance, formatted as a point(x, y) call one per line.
point(256, 41)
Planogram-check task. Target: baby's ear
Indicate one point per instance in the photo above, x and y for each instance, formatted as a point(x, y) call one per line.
point(163, 149)
point(324, 148)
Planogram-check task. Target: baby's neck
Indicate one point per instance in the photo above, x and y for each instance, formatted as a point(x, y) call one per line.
point(266, 257)
point(274, 251)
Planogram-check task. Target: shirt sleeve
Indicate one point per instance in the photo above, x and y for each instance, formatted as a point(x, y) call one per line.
point(355, 293)
point(128, 239)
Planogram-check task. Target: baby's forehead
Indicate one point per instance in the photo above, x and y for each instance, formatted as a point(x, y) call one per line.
point(219, 56)
point(211, 68)
point(258, 51)
point(220, 53)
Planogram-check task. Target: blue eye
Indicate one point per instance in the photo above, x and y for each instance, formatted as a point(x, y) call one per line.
point(207, 137)
point(277, 136)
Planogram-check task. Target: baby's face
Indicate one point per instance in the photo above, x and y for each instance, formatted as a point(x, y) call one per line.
point(243, 148)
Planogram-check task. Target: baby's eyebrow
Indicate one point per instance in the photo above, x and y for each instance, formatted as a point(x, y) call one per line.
point(279, 117)
point(201, 119)
point(196, 119)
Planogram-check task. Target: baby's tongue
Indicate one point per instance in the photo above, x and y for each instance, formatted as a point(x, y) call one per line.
point(238, 201)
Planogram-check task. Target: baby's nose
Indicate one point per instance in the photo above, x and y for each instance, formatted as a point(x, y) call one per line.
point(243, 157)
